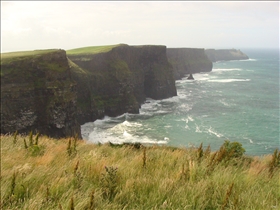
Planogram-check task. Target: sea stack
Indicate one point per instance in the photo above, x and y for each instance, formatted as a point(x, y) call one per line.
point(191, 77)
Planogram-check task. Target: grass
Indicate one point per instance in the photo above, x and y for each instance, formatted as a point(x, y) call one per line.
point(12, 56)
point(91, 50)
point(132, 177)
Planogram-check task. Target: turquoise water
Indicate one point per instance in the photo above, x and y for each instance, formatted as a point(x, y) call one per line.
point(237, 101)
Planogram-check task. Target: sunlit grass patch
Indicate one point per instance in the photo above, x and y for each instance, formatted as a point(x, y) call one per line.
point(91, 50)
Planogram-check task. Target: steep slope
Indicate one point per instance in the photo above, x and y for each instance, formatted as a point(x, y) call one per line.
point(119, 78)
point(188, 61)
point(38, 94)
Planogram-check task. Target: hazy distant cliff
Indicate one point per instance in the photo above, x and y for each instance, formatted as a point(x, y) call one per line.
point(188, 61)
point(118, 79)
point(37, 93)
point(225, 55)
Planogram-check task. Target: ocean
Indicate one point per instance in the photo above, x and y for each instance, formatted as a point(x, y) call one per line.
point(236, 101)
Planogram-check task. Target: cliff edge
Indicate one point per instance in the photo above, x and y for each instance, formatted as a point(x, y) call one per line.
point(225, 55)
point(112, 80)
point(188, 61)
point(38, 94)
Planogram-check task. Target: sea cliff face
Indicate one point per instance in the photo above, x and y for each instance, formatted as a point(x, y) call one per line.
point(38, 94)
point(225, 55)
point(188, 61)
point(119, 80)
point(53, 91)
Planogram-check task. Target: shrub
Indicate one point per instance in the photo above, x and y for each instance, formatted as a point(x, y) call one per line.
point(233, 149)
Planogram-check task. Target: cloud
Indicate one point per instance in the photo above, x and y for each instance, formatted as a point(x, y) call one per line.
point(70, 24)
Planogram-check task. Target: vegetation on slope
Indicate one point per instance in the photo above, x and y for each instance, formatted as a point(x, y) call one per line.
point(13, 56)
point(91, 50)
point(42, 173)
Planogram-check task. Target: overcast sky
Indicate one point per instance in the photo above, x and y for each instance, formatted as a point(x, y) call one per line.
point(34, 25)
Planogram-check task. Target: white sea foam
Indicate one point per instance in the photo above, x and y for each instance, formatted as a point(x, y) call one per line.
point(131, 124)
point(126, 134)
point(200, 77)
point(168, 126)
point(190, 118)
point(223, 102)
point(110, 135)
point(211, 131)
point(230, 69)
point(250, 59)
point(185, 107)
point(229, 80)
point(197, 129)
point(250, 140)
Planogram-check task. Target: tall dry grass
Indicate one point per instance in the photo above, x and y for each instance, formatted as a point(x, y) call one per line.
point(129, 177)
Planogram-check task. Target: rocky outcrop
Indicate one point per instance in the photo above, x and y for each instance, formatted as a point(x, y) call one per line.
point(225, 55)
point(188, 61)
point(190, 77)
point(119, 80)
point(38, 94)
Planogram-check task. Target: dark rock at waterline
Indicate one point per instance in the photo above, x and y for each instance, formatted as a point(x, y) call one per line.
point(190, 77)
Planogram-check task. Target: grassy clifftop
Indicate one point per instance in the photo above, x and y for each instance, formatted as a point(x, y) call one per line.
point(21, 63)
point(43, 173)
point(92, 50)
point(14, 56)
point(38, 93)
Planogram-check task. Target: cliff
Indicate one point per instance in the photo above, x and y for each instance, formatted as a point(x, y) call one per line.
point(112, 80)
point(225, 55)
point(38, 94)
point(53, 91)
point(188, 61)
point(45, 91)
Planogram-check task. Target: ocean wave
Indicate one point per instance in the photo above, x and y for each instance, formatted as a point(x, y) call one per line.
point(229, 80)
point(230, 69)
point(211, 131)
point(197, 129)
point(106, 136)
point(184, 107)
point(250, 59)
point(222, 101)
point(200, 77)
point(250, 140)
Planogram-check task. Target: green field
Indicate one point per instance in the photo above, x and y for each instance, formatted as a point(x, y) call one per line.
point(44, 173)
